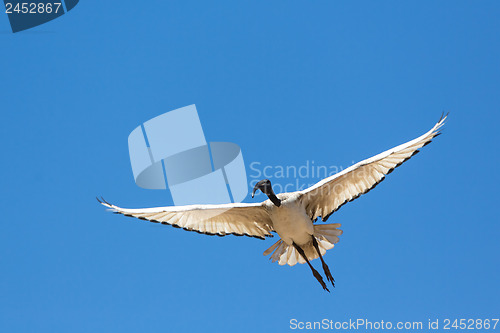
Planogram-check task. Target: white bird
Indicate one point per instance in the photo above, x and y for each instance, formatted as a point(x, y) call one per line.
point(290, 215)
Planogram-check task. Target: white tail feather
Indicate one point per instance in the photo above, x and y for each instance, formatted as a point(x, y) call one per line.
point(326, 235)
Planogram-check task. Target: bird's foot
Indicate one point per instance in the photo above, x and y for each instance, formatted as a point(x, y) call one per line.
point(320, 280)
point(329, 276)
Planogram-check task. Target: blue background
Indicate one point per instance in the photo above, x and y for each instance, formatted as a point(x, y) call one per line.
point(288, 81)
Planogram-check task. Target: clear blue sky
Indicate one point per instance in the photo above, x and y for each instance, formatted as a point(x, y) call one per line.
point(334, 82)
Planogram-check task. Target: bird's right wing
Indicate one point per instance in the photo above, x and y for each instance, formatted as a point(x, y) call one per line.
point(327, 196)
point(237, 219)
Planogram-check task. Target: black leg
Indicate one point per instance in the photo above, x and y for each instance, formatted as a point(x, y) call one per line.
point(315, 272)
point(329, 276)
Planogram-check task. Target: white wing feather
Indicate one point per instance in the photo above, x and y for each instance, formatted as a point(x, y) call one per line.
point(237, 219)
point(328, 195)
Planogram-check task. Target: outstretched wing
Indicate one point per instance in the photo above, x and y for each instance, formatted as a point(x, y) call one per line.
point(328, 195)
point(228, 219)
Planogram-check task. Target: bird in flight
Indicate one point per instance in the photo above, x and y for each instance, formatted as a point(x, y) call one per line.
point(291, 215)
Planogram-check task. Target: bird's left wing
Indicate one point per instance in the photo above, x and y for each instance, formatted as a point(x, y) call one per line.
point(237, 219)
point(328, 195)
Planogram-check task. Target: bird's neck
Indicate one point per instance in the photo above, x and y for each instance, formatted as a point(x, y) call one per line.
point(274, 199)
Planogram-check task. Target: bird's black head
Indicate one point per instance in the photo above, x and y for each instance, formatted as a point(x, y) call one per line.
point(266, 188)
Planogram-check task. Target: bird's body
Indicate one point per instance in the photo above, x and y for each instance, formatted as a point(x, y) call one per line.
point(291, 215)
point(290, 220)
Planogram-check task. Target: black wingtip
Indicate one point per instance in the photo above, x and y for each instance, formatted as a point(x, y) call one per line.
point(443, 116)
point(103, 201)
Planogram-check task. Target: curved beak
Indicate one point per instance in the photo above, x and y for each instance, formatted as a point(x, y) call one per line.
point(255, 189)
